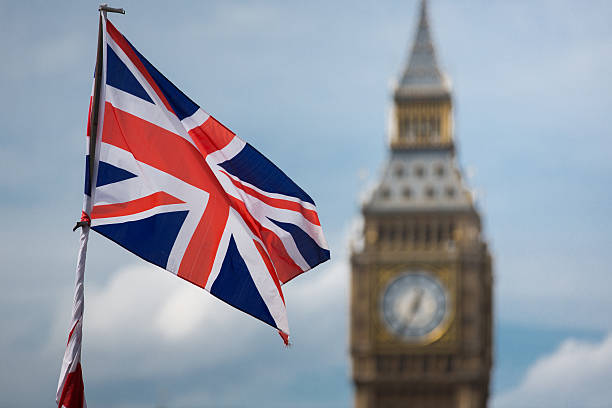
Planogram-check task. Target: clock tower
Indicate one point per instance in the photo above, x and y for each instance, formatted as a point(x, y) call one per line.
point(421, 280)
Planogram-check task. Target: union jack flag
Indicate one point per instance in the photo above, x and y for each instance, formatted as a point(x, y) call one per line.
point(180, 190)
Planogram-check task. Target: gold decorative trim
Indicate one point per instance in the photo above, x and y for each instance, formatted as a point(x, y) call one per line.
point(442, 337)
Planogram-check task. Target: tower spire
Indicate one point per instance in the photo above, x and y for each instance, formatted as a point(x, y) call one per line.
point(421, 74)
point(422, 111)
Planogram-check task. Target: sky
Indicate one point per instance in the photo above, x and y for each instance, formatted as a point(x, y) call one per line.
point(309, 85)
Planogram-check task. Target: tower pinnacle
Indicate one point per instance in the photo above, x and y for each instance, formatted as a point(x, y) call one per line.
point(421, 75)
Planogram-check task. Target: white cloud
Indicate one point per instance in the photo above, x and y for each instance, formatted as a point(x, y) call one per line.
point(140, 302)
point(185, 309)
point(142, 311)
point(577, 374)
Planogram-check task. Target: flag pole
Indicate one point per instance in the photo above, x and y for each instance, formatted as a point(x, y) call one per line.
point(104, 8)
point(95, 107)
point(70, 388)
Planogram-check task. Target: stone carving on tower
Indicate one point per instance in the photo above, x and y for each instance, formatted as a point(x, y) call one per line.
point(421, 282)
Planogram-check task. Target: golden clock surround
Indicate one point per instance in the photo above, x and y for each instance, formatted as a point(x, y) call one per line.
point(442, 338)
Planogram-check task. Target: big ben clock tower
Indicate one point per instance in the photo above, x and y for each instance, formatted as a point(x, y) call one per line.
point(421, 318)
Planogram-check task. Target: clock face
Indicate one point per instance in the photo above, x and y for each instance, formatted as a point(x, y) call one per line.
point(414, 305)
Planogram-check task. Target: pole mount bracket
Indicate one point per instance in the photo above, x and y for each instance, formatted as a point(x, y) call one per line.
point(105, 7)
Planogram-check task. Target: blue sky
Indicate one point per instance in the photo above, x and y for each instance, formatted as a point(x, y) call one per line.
point(308, 84)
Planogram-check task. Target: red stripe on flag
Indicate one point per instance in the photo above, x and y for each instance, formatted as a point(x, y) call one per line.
point(285, 266)
point(270, 267)
point(157, 147)
point(211, 136)
point(201, 252)
point(121, 41)
point(134, 206)
point(71, 331)
point(310, 215)
point(89, 116)
point(246, 216)
point(285, 337)
point(73, 393)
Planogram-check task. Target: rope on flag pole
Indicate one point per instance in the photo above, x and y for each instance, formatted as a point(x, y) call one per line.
point(70, 388)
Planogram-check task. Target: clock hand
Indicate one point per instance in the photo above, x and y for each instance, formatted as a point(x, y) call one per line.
point(417, 299)
point(415, 305)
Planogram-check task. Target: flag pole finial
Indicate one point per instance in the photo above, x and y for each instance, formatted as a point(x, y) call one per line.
point(105, 7)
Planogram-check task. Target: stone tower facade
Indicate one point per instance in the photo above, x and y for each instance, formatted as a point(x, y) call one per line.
point(421, 283)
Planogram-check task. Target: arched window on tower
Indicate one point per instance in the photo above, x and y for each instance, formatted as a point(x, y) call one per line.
point(422, 131)
point(427, 234)
point(407, 131)
point(435, 130)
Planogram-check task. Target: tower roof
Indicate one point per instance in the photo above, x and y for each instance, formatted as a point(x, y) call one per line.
point(422, 76)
